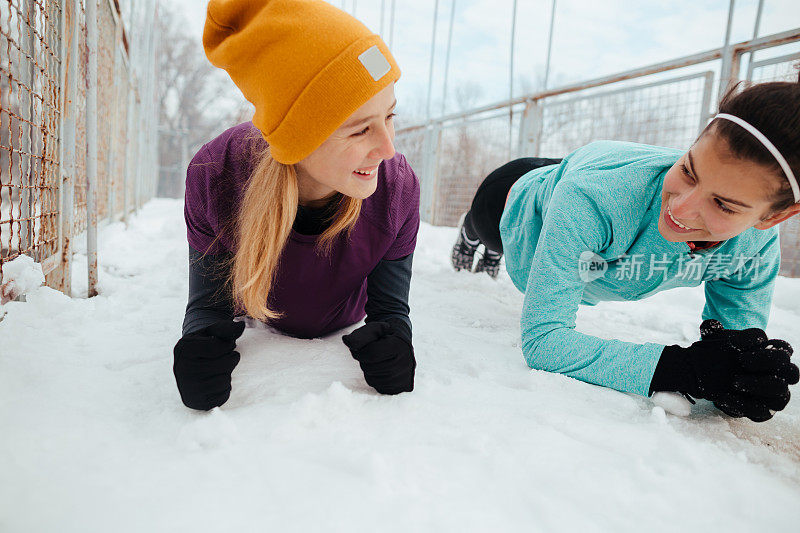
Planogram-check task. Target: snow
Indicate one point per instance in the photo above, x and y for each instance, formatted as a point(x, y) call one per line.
point(20, 275)
point(94, 437)
point(672, 403)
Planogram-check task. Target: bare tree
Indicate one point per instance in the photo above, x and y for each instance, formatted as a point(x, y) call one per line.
point(197, 101)
point(467, 95)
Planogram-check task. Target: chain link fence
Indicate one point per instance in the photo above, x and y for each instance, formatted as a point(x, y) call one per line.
point(453, 154)
point(459, 152)
point(46, 82)
point(30, 113)
point(665, 113)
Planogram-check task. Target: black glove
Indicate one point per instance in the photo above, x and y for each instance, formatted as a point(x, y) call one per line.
point(385, 355)
point(741, 338)
point(204, 361)
point(741, 371)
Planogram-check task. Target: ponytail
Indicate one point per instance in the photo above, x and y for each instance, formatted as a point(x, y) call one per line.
point(264, 224)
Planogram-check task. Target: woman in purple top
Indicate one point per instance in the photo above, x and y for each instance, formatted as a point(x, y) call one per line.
point(304, 218)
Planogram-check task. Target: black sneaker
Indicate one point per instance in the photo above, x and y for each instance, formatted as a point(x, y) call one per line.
point(463, 253)
point(489, 263)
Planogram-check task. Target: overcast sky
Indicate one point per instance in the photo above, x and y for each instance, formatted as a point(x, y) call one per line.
point(592, 38)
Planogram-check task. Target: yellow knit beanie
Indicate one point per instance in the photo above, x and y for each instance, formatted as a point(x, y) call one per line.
point(304, 64)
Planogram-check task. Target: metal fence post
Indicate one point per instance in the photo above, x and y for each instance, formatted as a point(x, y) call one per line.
point(427, 182)
point(706, 111)
point(152, 124)
point(185, 159)
point(26, 175)
point(435, 168)
point(91, 148)
point(140, 141)
point(58, 275)
point(114, 124)
point(128, 145)
point(530, 130)
point(68, 144)
point(726, 77)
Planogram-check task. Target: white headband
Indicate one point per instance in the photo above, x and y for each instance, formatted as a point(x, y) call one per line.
point(771, 147)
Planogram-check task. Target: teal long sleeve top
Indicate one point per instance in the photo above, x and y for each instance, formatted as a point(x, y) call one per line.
point(586, 231)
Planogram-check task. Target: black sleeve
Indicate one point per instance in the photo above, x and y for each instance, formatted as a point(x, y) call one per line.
point(209, 301)
point(387, 293)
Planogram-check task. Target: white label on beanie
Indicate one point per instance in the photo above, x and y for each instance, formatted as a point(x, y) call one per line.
point(375, 63)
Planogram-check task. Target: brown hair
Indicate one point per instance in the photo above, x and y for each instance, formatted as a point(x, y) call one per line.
point(264, 222)
point(774, 109)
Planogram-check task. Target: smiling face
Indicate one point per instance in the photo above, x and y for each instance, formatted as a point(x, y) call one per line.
point(709, 195)
point(347, 162)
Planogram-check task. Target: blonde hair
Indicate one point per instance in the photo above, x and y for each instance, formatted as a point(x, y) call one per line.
point(264, 223)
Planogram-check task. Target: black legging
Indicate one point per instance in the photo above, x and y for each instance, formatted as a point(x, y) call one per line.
point(483, 218)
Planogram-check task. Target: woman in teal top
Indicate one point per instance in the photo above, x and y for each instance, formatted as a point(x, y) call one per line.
point(623, 221)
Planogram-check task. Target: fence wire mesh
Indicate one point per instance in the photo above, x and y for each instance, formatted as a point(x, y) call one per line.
point(30, 114)
point(665, 113)
point(467, 152)
point(783, 68)
point(37, 66)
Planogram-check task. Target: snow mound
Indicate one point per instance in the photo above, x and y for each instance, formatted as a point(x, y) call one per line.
point(19, 276)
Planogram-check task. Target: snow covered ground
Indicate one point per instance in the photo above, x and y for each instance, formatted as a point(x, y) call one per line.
point(93, 436)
